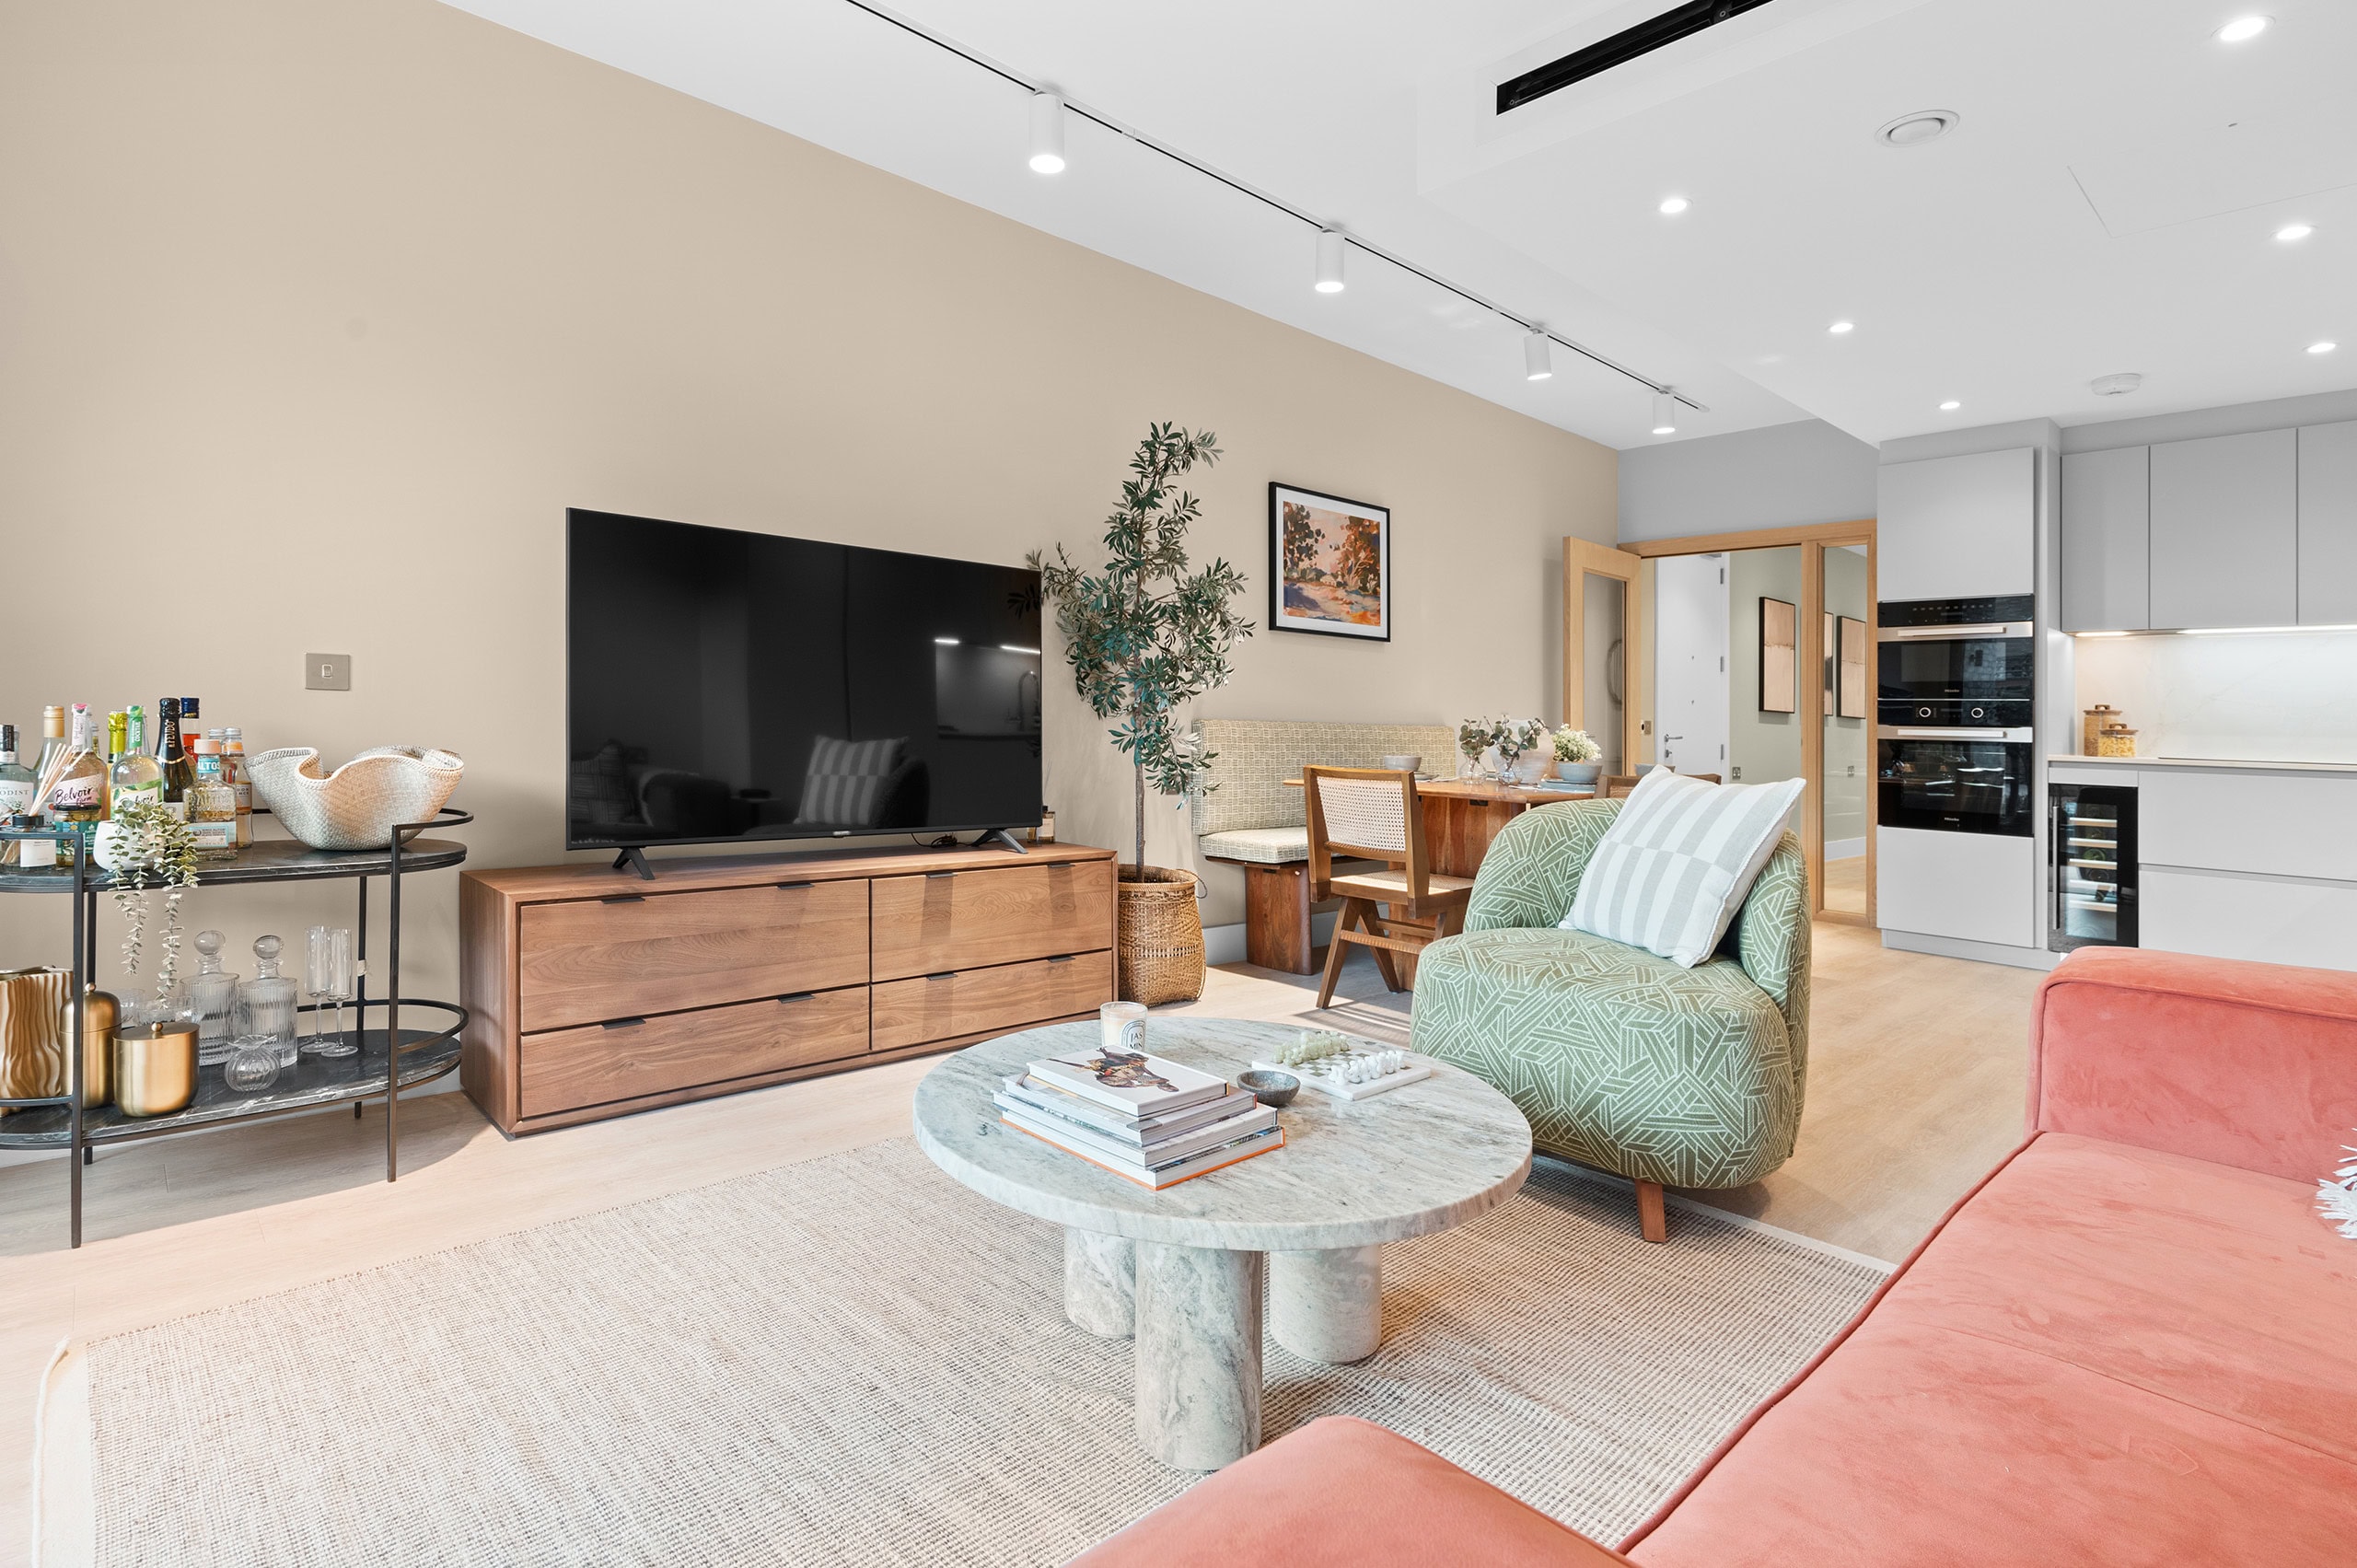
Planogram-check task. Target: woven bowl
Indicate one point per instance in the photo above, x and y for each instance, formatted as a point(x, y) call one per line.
point(358, 806)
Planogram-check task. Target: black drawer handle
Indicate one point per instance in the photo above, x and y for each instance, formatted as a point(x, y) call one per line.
point(1064, 958)
point(944, 974)
point(797, 997)
point(621, 1023)
point(931, 874)
point(790, 887)
point(624, 899)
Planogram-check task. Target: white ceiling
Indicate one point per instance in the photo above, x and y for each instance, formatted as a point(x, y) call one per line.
point(2107, 204)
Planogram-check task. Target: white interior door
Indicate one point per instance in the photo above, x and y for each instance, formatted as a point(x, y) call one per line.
point(1690, 662)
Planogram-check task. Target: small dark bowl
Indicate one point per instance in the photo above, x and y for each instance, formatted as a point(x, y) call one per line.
point(1269, 1088)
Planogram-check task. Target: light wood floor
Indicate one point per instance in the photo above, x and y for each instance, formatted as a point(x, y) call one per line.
point(1915, 1090)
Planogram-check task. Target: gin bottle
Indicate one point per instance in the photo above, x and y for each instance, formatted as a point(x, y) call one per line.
point(135, 775)
point(80, 795)
point(211, 807)
point(16, 779)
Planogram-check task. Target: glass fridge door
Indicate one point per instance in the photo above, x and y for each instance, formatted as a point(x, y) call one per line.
point(2094, 867)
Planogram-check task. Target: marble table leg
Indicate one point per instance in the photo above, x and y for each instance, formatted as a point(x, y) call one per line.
point(1198, 1354)
point(1100, 1282)
point(1328, 1306)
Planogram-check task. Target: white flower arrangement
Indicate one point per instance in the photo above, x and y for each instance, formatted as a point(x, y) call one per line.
point(1576, 745)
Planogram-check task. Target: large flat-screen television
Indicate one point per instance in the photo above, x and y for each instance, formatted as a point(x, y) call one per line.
point(726, 686)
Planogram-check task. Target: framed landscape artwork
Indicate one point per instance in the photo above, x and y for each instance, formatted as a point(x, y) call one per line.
point(1780, 688)
point(1330, 564)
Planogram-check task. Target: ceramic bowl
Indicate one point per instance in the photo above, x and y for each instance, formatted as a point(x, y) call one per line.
point(1269, 1088)
point(1408, 764)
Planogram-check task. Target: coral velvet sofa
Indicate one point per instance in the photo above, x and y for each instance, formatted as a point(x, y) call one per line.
point(2135, 1342)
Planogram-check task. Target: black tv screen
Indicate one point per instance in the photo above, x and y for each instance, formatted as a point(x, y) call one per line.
point(723, 685)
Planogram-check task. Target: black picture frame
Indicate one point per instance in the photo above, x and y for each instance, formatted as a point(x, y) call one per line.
point(1306, 603)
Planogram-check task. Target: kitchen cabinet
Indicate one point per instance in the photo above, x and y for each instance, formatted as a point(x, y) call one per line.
point(2225, 530)
point(2106, 541)
point(2269, 920)
point(1957, 528)
point(2329, 524)
point(1966, 886)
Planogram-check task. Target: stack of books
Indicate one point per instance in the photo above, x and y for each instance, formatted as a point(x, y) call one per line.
point(1145, 1119)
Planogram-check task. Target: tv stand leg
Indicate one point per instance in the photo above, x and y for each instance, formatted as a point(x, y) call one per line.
point(632, 860)
point(1001, 835)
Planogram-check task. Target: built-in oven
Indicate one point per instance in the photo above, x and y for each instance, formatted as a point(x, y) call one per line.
point(1953, 737)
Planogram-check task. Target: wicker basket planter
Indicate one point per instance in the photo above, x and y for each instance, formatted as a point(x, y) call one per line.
point(1160, 942)
point(358, 806)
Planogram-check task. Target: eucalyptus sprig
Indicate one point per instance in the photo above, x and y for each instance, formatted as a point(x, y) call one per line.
point(1145, 635)
point(151, 839)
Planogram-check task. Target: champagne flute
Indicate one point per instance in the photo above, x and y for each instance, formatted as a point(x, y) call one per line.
point(327, 977)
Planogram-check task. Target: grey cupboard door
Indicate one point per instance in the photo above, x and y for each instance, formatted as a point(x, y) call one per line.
point(2106, 541)
point(1957, 528)
point(2225, 530)
point(2329, 524)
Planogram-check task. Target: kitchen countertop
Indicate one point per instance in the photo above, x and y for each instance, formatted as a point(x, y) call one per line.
point(2207, 764)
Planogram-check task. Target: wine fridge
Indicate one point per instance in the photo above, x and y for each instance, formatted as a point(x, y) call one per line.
point(2091, 866)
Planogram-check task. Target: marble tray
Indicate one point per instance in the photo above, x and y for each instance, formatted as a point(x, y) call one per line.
point(1418, 1069)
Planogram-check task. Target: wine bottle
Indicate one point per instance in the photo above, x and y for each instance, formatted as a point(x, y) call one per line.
point(191, 731)
point(135, 775)
point(79, 793)
point(53, 740)
point(171, 757)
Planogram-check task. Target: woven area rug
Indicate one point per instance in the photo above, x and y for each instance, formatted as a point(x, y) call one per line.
point(854, 1359)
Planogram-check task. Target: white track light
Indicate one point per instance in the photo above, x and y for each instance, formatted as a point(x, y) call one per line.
point(1665, 414)
point(1047, 134)
point(1535, 365)
point(1330, 261)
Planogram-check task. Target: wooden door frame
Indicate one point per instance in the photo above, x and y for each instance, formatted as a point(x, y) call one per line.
point(1582, 556)
point(1814, 538)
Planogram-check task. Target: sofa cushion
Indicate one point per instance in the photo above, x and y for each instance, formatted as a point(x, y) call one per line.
point(1345, 1493)
point(1620, 1059)
point(2109, 1355)
point(1679, 861)
point(1260, 847)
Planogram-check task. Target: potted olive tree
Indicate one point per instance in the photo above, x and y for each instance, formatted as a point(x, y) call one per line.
point(1145, 636)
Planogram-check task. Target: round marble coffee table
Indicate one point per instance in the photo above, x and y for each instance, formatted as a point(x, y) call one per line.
point(1182, 1270)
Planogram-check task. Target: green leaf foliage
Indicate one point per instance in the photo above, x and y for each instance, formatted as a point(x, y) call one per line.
point(1145, 634)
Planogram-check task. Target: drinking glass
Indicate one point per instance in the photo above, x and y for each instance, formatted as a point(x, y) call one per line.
point(327, 977)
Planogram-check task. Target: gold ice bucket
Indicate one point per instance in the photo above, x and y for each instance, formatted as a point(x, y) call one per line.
point(155, 1067)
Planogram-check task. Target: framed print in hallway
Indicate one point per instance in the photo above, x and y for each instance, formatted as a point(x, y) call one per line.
point(1330, 564)
point(1779, 689)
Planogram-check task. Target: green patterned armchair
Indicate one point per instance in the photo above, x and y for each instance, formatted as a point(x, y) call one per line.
point(1623, 1060)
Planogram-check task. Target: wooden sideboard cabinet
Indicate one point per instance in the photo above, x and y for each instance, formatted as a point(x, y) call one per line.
point(592, 994)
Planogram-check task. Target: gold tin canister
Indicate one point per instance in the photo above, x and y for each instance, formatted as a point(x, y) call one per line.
point(100, 1013)
point(155, 1067)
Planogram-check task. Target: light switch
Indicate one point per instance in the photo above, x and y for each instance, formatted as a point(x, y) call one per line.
point(327, 672)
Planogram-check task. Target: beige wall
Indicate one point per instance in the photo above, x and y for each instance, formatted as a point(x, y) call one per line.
point(315, 317)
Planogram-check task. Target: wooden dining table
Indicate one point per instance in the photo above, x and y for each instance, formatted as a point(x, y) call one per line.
point(1463, 816)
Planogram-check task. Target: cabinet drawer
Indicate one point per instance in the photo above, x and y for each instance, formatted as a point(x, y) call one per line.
point(566, 1069)
point(960, 920)
point(910, 1012)
point(591, 959)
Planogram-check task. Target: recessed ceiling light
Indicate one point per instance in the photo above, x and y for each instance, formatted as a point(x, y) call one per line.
point(1914, 130)
point(1950, 406)
point(1673, 205)
point(1839, 327)
point(2242, 30)
point(2322, 347)
point(2291, 231)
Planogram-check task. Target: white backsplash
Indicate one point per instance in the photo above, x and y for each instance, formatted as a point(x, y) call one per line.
point(2272, 696)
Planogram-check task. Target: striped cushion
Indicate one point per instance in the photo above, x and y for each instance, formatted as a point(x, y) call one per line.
point(1679, 861)
point(846, 779)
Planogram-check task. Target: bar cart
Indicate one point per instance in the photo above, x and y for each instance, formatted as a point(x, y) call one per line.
point(59, 1122)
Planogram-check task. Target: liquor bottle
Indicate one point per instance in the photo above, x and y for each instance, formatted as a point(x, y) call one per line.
point(191, 731)
point(79, 793)
point(211, 807)
point(171, 757)
point(53, 740)
point(136, 775)
point(16, 779)
point(233, 763)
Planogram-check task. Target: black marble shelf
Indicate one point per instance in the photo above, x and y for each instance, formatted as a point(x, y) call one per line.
point(426, 1054)
point(273, 860)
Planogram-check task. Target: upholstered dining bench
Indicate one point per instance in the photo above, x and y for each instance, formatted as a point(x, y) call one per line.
point(1250, 819)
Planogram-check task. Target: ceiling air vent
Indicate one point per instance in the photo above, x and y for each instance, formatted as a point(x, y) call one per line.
point(1630, 43)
